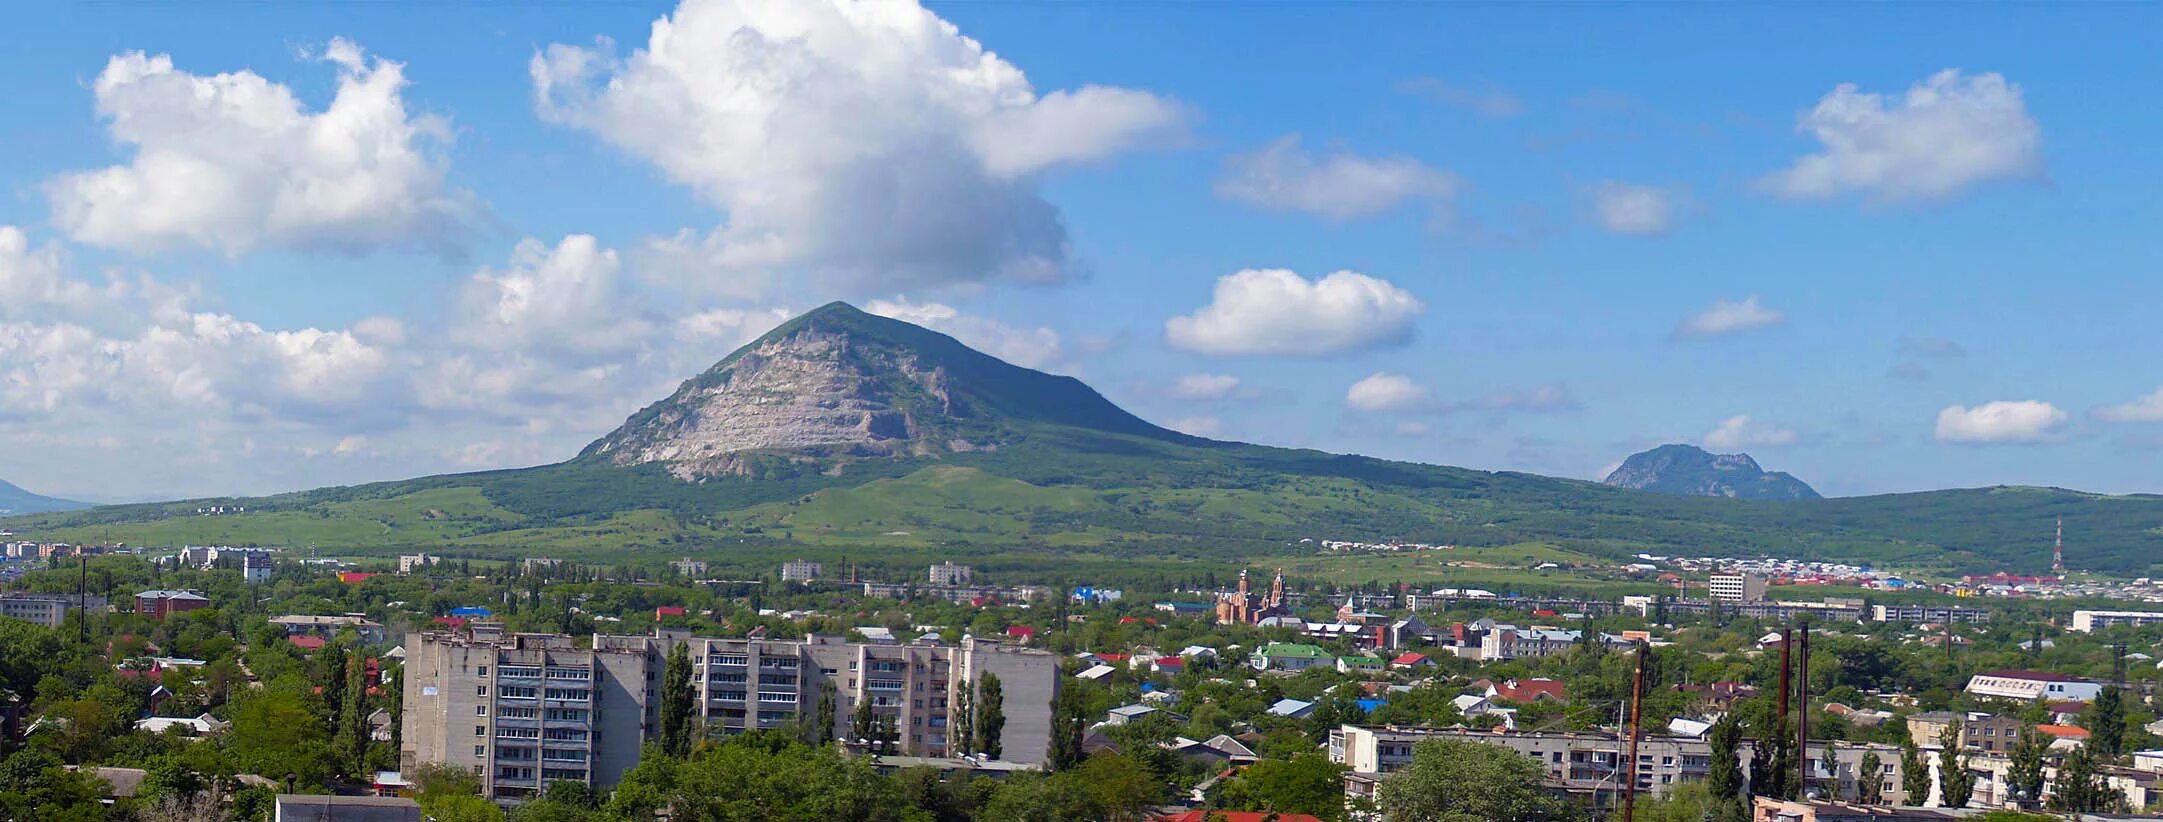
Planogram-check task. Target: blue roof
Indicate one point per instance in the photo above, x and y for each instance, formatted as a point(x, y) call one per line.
point(1369, 705)
point(472, 611)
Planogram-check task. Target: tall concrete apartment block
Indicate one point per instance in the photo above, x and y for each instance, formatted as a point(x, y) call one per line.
point(543, 709)
point(1737, 588)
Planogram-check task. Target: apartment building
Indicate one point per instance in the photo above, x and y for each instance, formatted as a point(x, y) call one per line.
point(802, 570)
point(948, 573)
point(1737, 588)
point(159, 604)
point(2088, 621)
point(1940, 614)
point(49, 610)
point(1597, 762)
point(2028, 686)
point(543, 708)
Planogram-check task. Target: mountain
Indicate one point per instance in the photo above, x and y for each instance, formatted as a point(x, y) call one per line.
point(1690, 471)
point(837, 385)
point(15, 500)
point(841, 434)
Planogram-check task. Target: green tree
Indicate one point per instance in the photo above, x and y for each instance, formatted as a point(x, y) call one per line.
point(677, 702)
point(1870, 779)
point(1723, 776)
point(1914, 778)
point(2105, 721)
point(1452, 780)
point(963, 731)
point(1778, 779)
point(864, 724)
point(2082, 786)
point(2024, 773)
point(1956, 784)
point(1308, 783)
point(1069, 726)
point(353, 730)
point(822, 719)
point(334, 660)
point(990, 716)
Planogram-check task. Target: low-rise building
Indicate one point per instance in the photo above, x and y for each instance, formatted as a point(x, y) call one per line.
point(2027, 686)
point(2088, 621)
point(1290, 657)
point(322, 808)
point(1940, 614)
point(49, 610)
point(327, 627)
point(159, 604)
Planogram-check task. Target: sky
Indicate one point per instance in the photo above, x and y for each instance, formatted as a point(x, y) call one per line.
point(248, 248)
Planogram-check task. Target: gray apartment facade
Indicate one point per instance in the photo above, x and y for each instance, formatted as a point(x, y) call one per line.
point(49, 610)
point(541, 708)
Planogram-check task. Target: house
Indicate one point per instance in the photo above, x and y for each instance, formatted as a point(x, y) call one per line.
point(1126, 714)
point(354, 577)
point(1221, 748)
point(1290, 657)
point(1410, 660)
point(1292, 708)
point(1021, 632)
point(1168, 665)
point(666, 611)
point(1097, 673)
point(1360, 663)
point(314, 808)
point(159, 604)
point(2064, 737)
point(327, 626)
point(1691, 728)
point(1199, 652)
point(2027, 686)
point(1528, 691)
point(1233, 816)
point(204, 725)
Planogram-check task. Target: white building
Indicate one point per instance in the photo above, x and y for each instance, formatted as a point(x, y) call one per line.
point(2027, 686)
point(409, 562)
point(947, 573)
point(1737, 587)
point(693, 568)
point(2089, 621)
point(802, 570)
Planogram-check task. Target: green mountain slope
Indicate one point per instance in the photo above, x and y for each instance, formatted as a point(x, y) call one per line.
point(915, 440)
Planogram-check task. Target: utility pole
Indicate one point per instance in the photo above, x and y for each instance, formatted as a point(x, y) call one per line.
point(1785, 646)
point(1637, 705)
point(1802, 716)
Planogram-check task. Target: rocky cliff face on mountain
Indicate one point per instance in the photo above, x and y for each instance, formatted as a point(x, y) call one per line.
point(838, 385)
point(1686, 470)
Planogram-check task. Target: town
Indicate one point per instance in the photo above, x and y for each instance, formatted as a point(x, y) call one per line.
point(214, 680)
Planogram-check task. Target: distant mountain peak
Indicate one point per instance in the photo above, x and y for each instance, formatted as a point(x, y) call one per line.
point(838, 384)
point(15, 500)
point(1687, 470)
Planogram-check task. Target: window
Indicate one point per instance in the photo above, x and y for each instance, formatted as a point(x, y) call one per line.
point(480, 730)
point(483, 671)
point(480, 690)
point(480, 710)
point(518, 713)
point(480, 750)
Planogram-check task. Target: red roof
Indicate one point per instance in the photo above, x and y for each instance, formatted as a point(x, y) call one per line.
point(668, 611)
point(1170, 661)
point(1234, 816)
point(305, 642)
point(1409, 658)
point(350, 577)
point(1530, 690)
point(1111, 659)
point(1021, 631)
point(453, 622)
point(2063, 731)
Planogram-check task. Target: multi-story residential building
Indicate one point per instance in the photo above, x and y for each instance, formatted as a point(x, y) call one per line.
point(693, 568)
point(802, 570)
point(542, 708)
point(2089, 621)
point(1737, 588)
point(2027, 686)
point(1932, 613)
point(1597, 762)
point(947, 573)
point(413, 562)
point(1977, 730)
point(1512, 642)
point(159, 604)
point(49, 610)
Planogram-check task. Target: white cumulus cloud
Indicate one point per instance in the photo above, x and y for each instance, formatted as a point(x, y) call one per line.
point(2145, 408)
point(1740, 431)
point(1726, 317)
point(1038, 348)
point(1284, 176)
point(1946, 135)
point(1275, 311)
point(2000, 421)
point(561, 300)
point(1627, 208)
point(1204, 387)
point(234, 161)
point(1383, 391)
point(868, 145)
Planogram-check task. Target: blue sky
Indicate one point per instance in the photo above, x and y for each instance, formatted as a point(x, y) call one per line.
point(454, 270)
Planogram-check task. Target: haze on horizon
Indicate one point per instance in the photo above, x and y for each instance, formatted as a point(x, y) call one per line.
point(259, 249)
